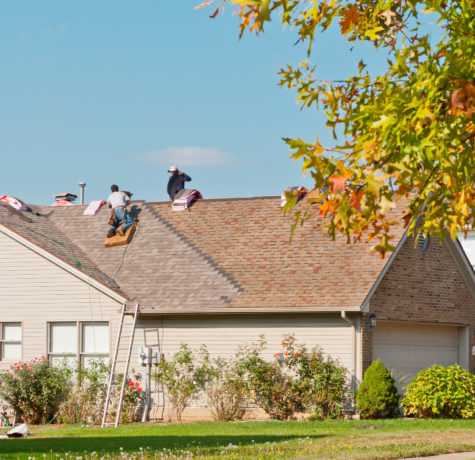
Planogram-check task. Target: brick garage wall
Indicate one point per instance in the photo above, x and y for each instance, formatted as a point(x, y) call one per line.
point(421, 286)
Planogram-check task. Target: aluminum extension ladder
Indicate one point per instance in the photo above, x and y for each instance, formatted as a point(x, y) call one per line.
point(113, 376)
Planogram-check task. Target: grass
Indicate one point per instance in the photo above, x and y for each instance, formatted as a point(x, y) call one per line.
point(376, 439)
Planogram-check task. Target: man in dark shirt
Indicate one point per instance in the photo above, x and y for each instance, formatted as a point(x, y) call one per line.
point(176, 182)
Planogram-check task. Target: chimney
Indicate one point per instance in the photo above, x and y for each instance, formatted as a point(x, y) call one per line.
point(82, 185)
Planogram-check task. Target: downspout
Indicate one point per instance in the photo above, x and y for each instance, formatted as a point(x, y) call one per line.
point(353, 340)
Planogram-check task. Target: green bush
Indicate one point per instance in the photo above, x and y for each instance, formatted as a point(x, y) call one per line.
point(377, 396)
point(35, 390)
point(441, 392)
point(183, 375)
point(88, 388)
point(226, 390)
point(297, 380)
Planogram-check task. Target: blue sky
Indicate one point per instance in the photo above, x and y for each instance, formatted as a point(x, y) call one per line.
point(116, 91)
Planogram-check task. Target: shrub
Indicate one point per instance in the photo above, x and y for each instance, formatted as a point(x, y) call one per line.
point(377, 396)
point(296, 380)
point(183, 376)
point(441, 392)
point(35, 390)
point(226, 390)
point(87, 395)
point(322, 379)
point(131, 401)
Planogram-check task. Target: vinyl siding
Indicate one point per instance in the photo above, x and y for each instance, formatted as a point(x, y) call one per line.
point(222, 334)
point(35, 291)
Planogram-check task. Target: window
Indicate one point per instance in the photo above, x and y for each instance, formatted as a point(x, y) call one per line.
point(83, 342)
point(10, 339)
point(468, 245)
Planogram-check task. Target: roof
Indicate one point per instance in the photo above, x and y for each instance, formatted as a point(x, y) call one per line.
point(223, 254)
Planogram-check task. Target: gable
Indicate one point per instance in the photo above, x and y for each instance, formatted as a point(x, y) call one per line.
point(30, 280)
point(424, 286)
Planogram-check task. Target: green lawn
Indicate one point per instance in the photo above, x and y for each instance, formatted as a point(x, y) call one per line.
point(253, 440)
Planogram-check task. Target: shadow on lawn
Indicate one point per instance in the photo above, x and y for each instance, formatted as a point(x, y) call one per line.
point(134, 443)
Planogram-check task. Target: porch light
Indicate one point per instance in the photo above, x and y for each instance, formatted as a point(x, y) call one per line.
point(372, 320)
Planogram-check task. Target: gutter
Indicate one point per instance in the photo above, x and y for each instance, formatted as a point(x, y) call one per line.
point(240, 310)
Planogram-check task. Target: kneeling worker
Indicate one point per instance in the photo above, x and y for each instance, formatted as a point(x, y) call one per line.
point(118, 202)
point(176, 182)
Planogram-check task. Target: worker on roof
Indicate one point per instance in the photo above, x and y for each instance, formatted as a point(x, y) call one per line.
point(176, 182)
point(118, 201)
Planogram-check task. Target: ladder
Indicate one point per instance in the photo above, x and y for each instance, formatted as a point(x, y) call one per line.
point(113, 376)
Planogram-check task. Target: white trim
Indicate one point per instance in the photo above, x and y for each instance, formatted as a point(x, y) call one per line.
point(461, 260)
point(365, 304)
point(64, 265)
point(231, 310)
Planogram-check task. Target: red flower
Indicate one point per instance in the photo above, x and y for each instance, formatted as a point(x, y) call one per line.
point(139, 389)
point(131, 383)
point(137, 384)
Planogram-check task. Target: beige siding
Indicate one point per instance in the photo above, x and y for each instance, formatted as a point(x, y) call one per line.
point(222, 334)
point(35, 291)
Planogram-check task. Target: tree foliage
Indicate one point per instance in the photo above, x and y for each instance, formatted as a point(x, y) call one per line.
point(406, 134)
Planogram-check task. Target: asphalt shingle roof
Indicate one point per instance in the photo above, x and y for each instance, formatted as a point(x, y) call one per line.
point(222, 254)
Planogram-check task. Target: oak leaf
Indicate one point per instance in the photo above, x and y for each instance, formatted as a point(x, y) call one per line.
point(351, 18)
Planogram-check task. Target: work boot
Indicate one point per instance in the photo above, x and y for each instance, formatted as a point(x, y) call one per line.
point(110, 233)
point(120, 232)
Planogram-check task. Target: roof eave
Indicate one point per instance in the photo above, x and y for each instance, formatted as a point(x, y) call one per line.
point(239, 310)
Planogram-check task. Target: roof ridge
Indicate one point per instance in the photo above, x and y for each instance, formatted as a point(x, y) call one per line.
point(195, 248)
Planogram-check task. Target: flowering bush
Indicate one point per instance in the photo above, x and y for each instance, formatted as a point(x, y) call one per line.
point(226, 389)
point(296, 380)
point(131, 401)
point(183, 375)
point(87, 394)
point(35, 390)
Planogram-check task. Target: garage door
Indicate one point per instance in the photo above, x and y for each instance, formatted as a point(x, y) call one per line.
point(408, 348)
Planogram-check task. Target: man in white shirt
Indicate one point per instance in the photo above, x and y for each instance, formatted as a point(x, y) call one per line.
point(118, 201)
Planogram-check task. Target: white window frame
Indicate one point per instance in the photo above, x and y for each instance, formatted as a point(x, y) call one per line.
point(17, 342)
point(80, 354)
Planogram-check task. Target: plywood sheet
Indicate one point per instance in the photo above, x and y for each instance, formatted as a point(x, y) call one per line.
point(118, 240)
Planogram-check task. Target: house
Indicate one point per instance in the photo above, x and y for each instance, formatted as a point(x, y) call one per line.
point(223, 274)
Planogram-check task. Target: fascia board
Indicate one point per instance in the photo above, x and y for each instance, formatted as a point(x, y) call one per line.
point(461, 260)
point(250, 310)
point(64, 265)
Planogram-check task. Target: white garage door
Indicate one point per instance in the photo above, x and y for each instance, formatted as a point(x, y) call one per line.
point(408, 348)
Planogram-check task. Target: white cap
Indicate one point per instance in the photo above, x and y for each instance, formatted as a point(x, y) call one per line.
point(172, 169)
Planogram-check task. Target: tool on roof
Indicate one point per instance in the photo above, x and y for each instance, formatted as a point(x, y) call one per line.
point(64, 199)
point(300, 192)
point(185, 198)
point(122, 226)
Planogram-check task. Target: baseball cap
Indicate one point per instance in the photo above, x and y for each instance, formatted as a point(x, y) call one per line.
point(172, 169)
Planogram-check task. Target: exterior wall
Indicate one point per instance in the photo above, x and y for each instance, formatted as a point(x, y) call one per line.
point(35, 291)
point(222, 334)
point(422, 287)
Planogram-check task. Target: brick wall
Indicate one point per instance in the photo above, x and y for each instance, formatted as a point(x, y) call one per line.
point(422, 286)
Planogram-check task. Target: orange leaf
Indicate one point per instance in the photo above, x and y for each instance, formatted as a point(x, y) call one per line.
point(325, 207)
point(355, 200)
point(351, 17)
point(201, 5)
point(215, 12)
